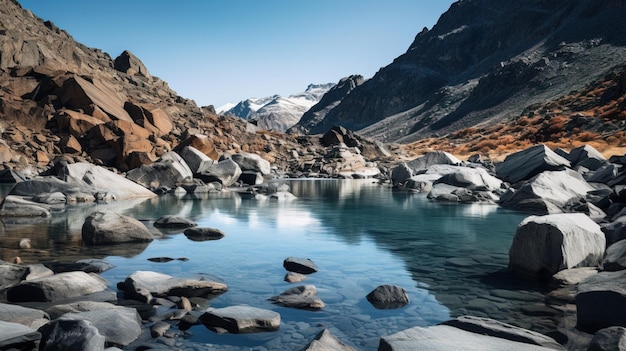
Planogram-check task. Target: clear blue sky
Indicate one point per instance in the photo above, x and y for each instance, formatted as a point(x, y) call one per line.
point(219, 51)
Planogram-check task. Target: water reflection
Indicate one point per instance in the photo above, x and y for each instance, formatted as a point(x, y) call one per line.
point(450, 258)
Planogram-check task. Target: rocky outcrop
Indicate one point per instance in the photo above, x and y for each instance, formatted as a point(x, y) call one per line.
point(330, 100)
point(528, 163)
point(455, 75)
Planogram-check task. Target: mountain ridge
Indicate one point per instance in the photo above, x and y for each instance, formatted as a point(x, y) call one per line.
point(485, 62)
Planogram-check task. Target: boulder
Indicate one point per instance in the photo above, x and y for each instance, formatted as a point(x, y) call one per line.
point(433, 158)
point(128, 63)
point(71, 335)
point(609, 339)
point(326, 341)
point(203, 234)
point(12, 274)
point(547, 193)
point(79, 94)
point(57, 287)
point(29, 317)
point(104, 181)
point(301, 297)
point(544, 245)
point(144, 285)
point(299, 265)
point(105, 228)
point(226, 172)
point(615, 257)
point(572, 276)
point(475, 179)
point(195, 159)
point(615, 230)
point(202, 143)
point(57, 311)
point(588, 157)
point(251, 178)
point(387, 297)
point(119, 325)
point(174, 222)
point(491, 327)
point(252, 162)
point(241, 319)
point(400, 174)
point(169, 172)
point(445, 338)
point(530, 162)
point(604, 174)
point(17, 336)
point(601, 301)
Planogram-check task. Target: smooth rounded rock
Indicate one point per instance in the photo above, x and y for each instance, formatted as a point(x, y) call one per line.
point(300, 265)
point(388, 297)
point(104, 228)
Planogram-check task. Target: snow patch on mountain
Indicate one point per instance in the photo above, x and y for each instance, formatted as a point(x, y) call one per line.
point(277, 112)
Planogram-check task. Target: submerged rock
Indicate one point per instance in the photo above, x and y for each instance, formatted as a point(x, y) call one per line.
point(144, 285)
point(302, 297)
point(386, 297)
point(326, 341)
point(241, 319)
point(300, 265)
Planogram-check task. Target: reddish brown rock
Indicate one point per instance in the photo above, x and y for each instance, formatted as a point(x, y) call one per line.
point(70, 145)
point(76, 123)
point(80, 94)
point(202, 143)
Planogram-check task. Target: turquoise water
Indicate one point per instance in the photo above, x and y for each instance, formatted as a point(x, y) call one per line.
point(451, 259)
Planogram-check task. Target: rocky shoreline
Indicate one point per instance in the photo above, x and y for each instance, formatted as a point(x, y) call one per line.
point(574, 240)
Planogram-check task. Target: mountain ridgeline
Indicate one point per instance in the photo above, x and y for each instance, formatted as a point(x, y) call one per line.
point(483, 63)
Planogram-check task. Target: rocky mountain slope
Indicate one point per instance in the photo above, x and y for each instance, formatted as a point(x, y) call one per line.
point(279, 113)
point(483, 63)
point(61, 99)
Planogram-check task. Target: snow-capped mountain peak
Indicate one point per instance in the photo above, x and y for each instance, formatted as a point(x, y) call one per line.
point(277, 112)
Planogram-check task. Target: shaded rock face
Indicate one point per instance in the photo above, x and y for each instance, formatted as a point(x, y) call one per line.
point(601, 301)
point(330, 100)
point(131, 65)
point(482, 60)
point(71, 335)
point(528, 163)
point(300, 265)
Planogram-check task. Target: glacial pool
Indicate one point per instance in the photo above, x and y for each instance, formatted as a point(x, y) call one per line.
point(451, 259)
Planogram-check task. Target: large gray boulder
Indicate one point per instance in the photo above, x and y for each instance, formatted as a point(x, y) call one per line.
point(71, 335)
point(104, 228)
point(547, 193)
point(226, 172)
point(119, 325)
point(301, 297)
point(144, 285)
point(326, 341)
point(433, 158)
point(241, 319)
point(252, 162)
point(57, 287)
point(29, 317)
point(195, 159)
point(475, 179)
point(528, 163)
point(57, 311)
point(169, 171)
point(18, 336)
point(544, 245)
point(448, 337)
point(104, 181)
point(588, 157)
point(400, 174)
point(601, 301)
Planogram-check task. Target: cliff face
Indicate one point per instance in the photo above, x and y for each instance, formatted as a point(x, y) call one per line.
point(485, 62)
